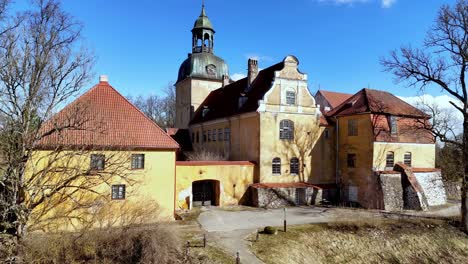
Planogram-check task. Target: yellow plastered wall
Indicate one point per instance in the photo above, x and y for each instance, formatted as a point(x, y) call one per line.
point(324, 158)
point(243, 143)
point(422, 155)
point(153, 186)
point(234, 181)
point(190, 93)
point(362, 145)
point(306, 134)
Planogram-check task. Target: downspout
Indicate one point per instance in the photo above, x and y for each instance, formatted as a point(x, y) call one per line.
point(337, 148)
point(337, 163)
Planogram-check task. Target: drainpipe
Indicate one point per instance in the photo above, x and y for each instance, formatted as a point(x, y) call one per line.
point(337, 150)
point(337, 163)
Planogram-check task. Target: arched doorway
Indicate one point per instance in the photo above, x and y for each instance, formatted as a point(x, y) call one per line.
point(205, 192)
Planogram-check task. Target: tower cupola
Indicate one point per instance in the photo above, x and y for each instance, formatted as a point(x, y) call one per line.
point(203, 34)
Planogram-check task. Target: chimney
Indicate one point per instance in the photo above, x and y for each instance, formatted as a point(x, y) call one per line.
point(252, 71)
point(103, 78)
point(225, 80)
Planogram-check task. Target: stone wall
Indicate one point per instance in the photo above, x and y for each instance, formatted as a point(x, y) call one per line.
point(432, 187)
point(392, 191)
point(281, 197)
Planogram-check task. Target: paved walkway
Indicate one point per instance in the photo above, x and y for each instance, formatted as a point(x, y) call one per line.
point(231, 228)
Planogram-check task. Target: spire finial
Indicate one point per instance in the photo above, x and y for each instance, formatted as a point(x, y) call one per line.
point(203, 14)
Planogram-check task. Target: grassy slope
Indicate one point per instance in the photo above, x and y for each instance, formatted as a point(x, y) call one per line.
point(190, 230)
point(389, 241)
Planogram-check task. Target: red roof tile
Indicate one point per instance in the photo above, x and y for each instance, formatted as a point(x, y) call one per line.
point(106, 120)
point(377, 102)
point(334, 98)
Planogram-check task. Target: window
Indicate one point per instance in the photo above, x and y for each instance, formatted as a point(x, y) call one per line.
point(227, 134)
point(197, 137)
point(287, 129)
point(393, 124)
point(204, 136)
point(294, 166)
point(327, 134)
point(390, 160)
point(220, 134)
point(97, 162)
point(352, 127)
point(209, 135)
point(214, 134)
point(118, 192)
point(193, 137)
point(138, 161)
point(407, 159)
point(351, 160)
point(276, 166)
point(290, 98)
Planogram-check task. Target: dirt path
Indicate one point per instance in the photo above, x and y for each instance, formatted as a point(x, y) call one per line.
point(230, 229)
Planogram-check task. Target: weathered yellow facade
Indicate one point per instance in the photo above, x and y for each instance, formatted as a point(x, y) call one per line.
point(152, 187)
point(233, 180)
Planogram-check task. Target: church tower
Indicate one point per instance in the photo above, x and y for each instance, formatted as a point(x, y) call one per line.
point(201, 73)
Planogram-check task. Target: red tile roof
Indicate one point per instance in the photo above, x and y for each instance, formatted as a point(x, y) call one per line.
point(377, 102)
point(334, 98)
point(105, 120)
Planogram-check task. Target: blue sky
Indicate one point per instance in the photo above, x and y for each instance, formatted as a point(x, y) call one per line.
point(140, 44)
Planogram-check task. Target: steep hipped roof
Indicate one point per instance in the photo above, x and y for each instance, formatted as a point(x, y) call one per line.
point(103, 119)
point(224, 101)
point(377, 102)
point(334, 98)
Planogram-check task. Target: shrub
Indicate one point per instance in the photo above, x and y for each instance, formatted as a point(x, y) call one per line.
point(270, 230)
point(150, 244)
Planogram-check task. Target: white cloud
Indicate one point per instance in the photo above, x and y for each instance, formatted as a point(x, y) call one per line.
point(237, 76)
point(442, 103)
point(388, 3)
point(258, 57)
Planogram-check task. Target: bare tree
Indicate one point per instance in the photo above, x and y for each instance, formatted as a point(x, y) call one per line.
point(442, 61)
point(42, 66)
point(161, 109)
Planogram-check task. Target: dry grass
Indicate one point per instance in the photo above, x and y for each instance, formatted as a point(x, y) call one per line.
point(386, 241)
point(151, 244)
point(190, 231)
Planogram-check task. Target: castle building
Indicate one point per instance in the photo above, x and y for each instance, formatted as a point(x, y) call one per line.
point(201, 73)
point(305, 148)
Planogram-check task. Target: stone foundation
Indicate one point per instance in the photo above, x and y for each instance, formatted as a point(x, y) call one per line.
point(281, 197)
point(392, 191)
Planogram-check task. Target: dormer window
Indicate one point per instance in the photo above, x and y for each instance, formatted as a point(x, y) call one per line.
point(205, 111)
point(393, 125)
point(242, 100)
point(290, 98)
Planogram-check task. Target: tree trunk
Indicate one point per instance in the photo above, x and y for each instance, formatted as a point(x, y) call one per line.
point(464, 198)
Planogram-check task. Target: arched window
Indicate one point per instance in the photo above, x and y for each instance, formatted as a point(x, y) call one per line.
point(407, 159)
point(206, 39)
point(287, 129)
point(294, 166)
point(276, 166)
point(390, 162)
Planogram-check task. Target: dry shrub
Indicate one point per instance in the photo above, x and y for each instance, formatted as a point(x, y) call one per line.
point(149, 244)
point(203, 154)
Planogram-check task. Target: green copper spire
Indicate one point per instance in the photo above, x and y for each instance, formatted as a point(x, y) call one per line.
point(203, 22)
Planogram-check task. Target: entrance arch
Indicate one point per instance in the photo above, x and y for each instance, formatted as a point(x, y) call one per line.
point(205, 192)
